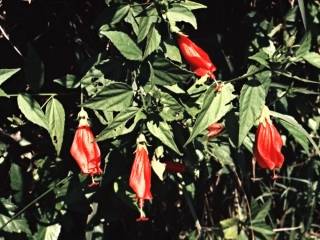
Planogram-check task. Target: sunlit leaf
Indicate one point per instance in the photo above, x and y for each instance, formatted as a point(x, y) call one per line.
point(118, 126)
point(252, 100)
point(51, 232)
point(126, 46)
point(181, 14)
point(313, 58)
point(55, 116)
point(32, 110)
point(215, 106)
point(115, 96)
point(163, 132)
point(18, 225)
point(153, 42)
point(5, 74)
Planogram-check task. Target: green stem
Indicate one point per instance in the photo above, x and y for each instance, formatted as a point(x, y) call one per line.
point(244, 76)
point(289, 75)
point(63, 181)
point(45, 103)
point(36, 94)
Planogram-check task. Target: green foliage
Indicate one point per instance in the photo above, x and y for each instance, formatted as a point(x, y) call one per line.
point(119, 60)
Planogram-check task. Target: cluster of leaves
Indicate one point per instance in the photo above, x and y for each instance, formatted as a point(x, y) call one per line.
point(135, 81)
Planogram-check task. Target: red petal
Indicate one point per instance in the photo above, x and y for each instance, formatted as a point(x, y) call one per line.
point(140, 177)
point(214, 129)
point(268, 147)
point(195, 56)
point(277, 145)
point(263, 147)
point(86, 151)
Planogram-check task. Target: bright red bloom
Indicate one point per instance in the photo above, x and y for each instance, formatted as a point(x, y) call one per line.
point(268, 144)
point(140, 177)
point(214, 129)
point(84, 148)
point(197, 58)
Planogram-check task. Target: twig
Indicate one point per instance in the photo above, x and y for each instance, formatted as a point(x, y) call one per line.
point(289, 75)
point(286, 229)
point(245, 198)
point(244, 76)
point(7, 37)
point(63, 181)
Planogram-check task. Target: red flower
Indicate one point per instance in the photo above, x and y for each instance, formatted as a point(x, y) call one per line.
point(268, 144)
point(175, 167)
point(84, 148)
point(197, 58)
point(140, 177)
point(214, 129)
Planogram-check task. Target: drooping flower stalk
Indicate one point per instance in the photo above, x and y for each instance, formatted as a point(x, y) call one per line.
point(198, 59)
point(140, 177)
point(84, 148)
point(268, 143)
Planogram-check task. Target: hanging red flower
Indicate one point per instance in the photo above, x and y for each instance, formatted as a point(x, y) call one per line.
point(175, 167)
point(214, 129)
point(268, 143)
point(140, 177)
point(198, 59)
point(84, 148)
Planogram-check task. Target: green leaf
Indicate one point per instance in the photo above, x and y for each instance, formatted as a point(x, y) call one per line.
point(120, 14)
point(34, 69)
point(153, 42)
point(290, 120)
point(261, 57)
point(303, 13)
point(145, 24)
point(172, 52)
point(221, 153)
point(3, 93)
point(5, 74)
point(118, 126)
point(124, 44)
point(252, 100)
point(163, 132)
point(299, 136)
point(18, 225)
point(51, 232)
point(55, 116)
point(263, 229)
point(69, 81)
point(230, 228)
point(191, 5)
point(16, 181)
point(131, 19)
point(215, 106)
point(167, 73)
point(305, 45)
point(115, 96)
point(262, 213)
point(181, 14)
point(313, 58)
point(32, 110)
point(171, 109)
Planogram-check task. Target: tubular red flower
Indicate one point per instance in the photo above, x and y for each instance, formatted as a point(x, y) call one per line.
point(214, 129)
point(140, 177)
point(84, 148)
point(197, 58)
point(174, 167)
point(268, 144)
